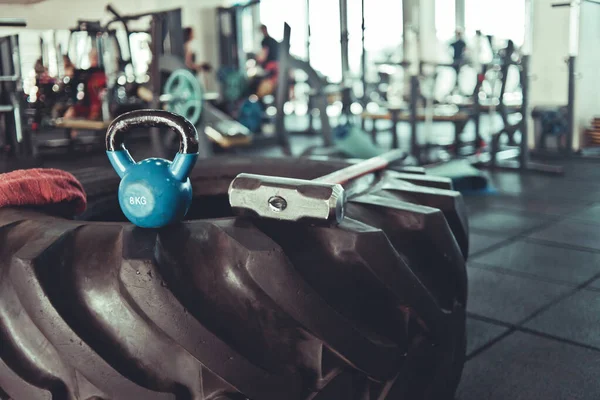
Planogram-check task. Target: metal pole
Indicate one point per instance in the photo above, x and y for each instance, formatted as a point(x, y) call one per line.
point(283, 90)
point(16, 56)
point(13, 22)
point(308, 30)
point(57, 52)
point(477, 108)
point(363, 58)
point(309, 102)
point(410, 16)
point(459, 13)
point(528, 39)
point(344, 39)
point(239, 41)
point(526, 53)
point(156, 35)
point(414, 95)
point(256, 39)
point(15, 102)
point(524, 145)
point(574, 15)
point(570, 105)
point(407, 23)
point(223, 47)
point(42, 52)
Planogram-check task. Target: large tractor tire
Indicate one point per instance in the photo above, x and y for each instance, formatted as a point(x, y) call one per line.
point(227, 308)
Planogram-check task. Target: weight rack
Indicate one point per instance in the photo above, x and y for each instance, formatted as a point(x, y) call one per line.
point(15, 138)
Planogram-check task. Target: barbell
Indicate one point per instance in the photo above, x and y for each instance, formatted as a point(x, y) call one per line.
point(183, 95)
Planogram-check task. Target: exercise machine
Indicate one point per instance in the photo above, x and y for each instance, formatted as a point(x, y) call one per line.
point(86, 87)
point(177, 88)
point(319, 93)
point(575, 30)
point(13, 23)
point(16, 140)
point(514, 156)
point(420, 108)
point(346, 84)
point(229, 20)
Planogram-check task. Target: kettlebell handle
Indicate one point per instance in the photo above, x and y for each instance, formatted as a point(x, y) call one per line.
point(188, 136)
point(188, 140)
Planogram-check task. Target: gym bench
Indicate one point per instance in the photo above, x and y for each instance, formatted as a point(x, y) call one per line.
point(395, 115)
point(75, 124)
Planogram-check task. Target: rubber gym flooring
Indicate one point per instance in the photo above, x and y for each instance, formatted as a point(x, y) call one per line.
point(534, 279)
point(534, 287)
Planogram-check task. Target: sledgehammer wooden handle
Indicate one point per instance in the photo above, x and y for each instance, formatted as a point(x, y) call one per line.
point(351, 172)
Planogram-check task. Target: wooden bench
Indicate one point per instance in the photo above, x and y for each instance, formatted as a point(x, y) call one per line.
point(81, 124)
point(223, 130)
point(227, 141)
point(487, 106)
point(214, 135)
point(69, 125)
point(405, 117)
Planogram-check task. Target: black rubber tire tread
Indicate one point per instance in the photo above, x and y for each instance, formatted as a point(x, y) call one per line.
point(439, 182)
point(233, 308)
point(448, 201)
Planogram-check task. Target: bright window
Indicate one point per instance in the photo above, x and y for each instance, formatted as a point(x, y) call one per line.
point(274, 13)
point(354, 36)
point(383, 25)
point(445, 21)
point(325, 46)
point(505, 19)
point(383, 30)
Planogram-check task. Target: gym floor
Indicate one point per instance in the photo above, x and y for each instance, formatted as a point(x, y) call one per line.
point(534, 287)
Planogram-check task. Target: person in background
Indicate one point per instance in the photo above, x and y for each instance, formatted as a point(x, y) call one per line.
point(68, 66)
point(94, 59)
point(477, 49)
point(88, 99)
point(511, 49)
point(268, 59)
point(41, 73)
point(190, 56)
point(39, 67)
point(458, 47)
point(458, 55)
point(66, 89)
point(270, 48)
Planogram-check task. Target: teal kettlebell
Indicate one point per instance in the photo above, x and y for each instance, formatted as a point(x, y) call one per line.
point(153, 192)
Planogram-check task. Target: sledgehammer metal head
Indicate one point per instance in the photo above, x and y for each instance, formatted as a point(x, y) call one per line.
point(321, 200)
point(287, 199)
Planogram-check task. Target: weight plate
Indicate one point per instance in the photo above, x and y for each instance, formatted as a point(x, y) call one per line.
point(185, 95)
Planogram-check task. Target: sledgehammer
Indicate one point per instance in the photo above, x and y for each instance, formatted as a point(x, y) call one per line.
point(320, 200)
